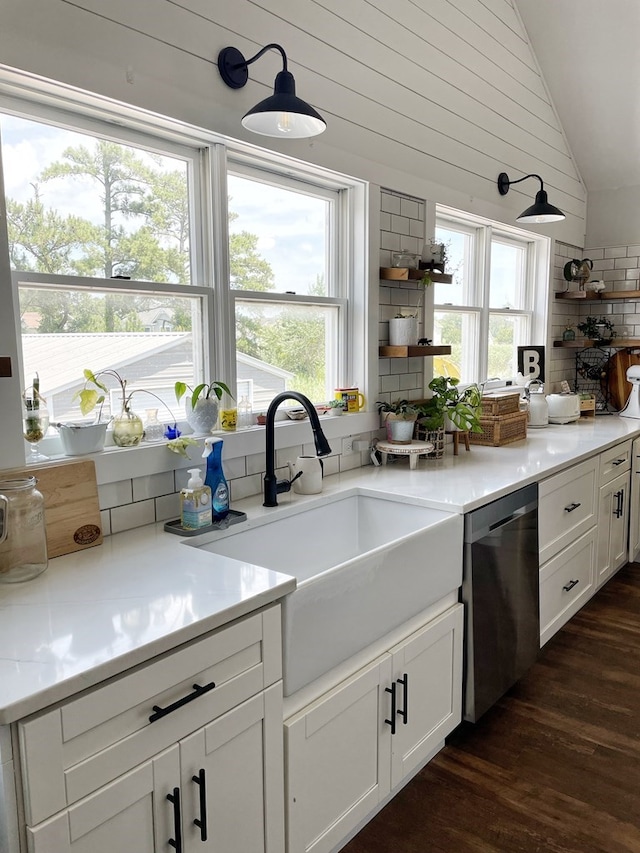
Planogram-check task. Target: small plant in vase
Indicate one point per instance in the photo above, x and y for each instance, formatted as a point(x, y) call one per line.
point(202, 404)
point(127, 426)
point(336, 407)
point(399, 419)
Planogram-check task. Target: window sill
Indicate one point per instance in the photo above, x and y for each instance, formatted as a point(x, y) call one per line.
point(123, 463)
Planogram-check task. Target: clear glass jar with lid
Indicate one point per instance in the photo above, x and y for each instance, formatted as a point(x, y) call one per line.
point(406, 259)
point(23, 540)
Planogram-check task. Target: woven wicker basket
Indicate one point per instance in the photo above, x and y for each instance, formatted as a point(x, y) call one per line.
point(436, 437)
point(501, 404)
point(500, 430)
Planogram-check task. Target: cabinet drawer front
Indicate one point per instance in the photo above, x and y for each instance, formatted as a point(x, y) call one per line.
point(566, 584)
point(86, 742)
point(567, 507)
point(615, 461)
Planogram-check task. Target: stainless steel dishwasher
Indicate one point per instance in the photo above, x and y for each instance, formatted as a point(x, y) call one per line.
point(500, 591)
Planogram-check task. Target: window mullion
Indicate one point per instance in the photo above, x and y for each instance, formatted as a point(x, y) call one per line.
point(222, 326)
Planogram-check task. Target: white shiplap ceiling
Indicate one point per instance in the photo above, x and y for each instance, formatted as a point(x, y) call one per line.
point(589, 55)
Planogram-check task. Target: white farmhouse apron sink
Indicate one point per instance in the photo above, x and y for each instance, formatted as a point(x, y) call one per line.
point(364, 564)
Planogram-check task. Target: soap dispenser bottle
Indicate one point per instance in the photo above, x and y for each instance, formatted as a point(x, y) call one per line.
point(215, 479)
point(195, 503)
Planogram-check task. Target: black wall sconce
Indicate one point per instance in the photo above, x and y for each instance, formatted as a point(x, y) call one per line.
point(282, 114)
point(540, 211)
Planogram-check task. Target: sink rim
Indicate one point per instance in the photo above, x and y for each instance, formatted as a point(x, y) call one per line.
point(297, 508)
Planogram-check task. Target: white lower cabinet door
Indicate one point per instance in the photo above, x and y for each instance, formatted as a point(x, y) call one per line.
point(613, 519)
point(233, 780)
point(130, 814)
point(337, 753)
point(427, 673)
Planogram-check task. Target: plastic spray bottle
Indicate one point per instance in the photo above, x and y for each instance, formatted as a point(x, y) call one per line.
point(215, 479)
point(195, 502)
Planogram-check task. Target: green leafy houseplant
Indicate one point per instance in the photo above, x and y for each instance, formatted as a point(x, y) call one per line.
point(402, 409)
point(447, 400)
point(399, 418)
point(202, 391)
point(202, 404)
point(597, 328)
point(128, 429)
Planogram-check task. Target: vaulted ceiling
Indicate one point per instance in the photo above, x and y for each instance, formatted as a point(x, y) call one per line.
point(589, 56)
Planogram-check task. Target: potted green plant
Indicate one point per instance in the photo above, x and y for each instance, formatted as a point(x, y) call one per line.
point(399, 419)
point(451, 408)
point(336, 407)
point(127, 426)
point(597, 328)
point(202, 404)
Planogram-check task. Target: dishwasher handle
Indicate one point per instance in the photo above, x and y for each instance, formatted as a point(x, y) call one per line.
point(480, 525)
point(504, 521)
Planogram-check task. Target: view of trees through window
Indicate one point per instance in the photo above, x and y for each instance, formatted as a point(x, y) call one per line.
point(83, 206)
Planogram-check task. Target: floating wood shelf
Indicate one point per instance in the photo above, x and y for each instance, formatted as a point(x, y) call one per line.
point(604, 294)
point(405, 274)
point(410, 352)
point(584, 343)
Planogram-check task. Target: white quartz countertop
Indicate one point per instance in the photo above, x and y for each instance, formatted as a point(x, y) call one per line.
point(95, 613)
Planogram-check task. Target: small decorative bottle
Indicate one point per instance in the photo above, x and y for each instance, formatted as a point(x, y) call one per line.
point(244, 413)
point(153, 429)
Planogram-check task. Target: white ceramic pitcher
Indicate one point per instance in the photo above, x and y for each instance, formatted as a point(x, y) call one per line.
point(310, 480)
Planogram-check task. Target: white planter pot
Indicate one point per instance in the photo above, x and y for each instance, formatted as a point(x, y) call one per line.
point(399, 430)
point(204, 418)
point(403, 331)
point(79, 439)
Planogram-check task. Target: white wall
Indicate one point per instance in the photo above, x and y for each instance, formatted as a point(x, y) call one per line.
point(614, 217)
point(432, 98)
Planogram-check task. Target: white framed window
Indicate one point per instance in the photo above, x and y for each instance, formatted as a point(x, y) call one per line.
point(286, 242)
point(497, 300)
point(157, 250)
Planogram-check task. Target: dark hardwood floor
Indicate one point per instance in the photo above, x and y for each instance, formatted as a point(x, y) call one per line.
point(554, 766)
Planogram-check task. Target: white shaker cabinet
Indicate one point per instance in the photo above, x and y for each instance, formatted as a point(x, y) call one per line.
point(348, 750)
point(613, 519)
point(567, 529)
point(183, 753)
point(613, 510)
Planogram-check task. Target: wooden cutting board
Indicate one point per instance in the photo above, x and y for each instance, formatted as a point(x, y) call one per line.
point(618, 387)
point(71, 508)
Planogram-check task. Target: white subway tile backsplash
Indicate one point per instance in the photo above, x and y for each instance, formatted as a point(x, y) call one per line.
point(409, 208)
point(416, 227)
point(625, 263)
point(133, 515)
point(400, 225)
point(633, 250)
point(115, 494)
point(385, 221)
point(389, 203)
point(105, 522)
point(390, 240)
point(331, 465)
point(153, 486)
point(616, 252)
point(245, 487)
point(234, 468)
point(389, 383)
point(168, 507)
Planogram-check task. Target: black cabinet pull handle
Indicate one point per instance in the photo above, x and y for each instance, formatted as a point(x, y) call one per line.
point(197, 691)
point(618, 510)
point(571, 507)
point(201, 822)
point(617, 462)
point(177, 821)
point(570, 585)
point(404, 713)
point(392, 721)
